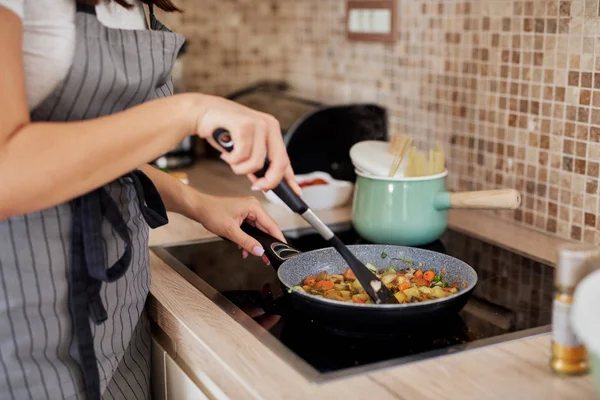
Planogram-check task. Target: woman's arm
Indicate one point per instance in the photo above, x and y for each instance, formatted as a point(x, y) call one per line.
point(177, 196)
point(220, 215)
point(46, 163)
point(43, 164)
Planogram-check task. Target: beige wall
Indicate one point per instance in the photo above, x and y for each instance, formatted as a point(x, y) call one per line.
point(507, 86)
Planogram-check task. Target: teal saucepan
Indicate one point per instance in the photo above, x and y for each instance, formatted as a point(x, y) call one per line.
point(414, 211)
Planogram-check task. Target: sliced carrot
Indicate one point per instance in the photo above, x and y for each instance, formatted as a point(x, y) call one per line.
point(455, 285)
point(349, 275)
point(324, 285)
point(418, 274)
point(447, 289)
point(359, 301)
point(405, 286)
point(465, 284)
point(429, 276)
point(420, 281)
point(310, 281)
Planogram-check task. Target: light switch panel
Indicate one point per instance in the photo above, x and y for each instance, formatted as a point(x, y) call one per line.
point(371, 20)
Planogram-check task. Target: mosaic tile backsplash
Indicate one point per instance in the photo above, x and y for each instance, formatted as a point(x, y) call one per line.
point(509, 88)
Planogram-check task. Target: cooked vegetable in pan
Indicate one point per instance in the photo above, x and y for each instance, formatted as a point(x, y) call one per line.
point(408, 285)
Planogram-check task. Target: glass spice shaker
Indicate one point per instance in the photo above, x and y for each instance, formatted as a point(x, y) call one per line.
point(575, 262)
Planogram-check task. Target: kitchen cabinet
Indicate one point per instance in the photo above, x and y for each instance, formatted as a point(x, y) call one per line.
point(170, 381)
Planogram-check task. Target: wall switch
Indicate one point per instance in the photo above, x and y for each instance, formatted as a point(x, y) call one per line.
point(371, 20)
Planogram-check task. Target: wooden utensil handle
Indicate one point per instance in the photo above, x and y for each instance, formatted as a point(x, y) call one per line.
point(487, 199)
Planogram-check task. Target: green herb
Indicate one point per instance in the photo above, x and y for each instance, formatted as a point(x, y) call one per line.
point(437, 278)
point(391, 268)
point(383, 255)
point(371, 268)
point(420, 264)
point(290, 290)
point(404, 260)
point(444, 284)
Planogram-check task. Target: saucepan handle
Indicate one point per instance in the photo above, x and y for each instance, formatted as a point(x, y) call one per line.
point(506, 199)
point(276, 251)
point(223, 138)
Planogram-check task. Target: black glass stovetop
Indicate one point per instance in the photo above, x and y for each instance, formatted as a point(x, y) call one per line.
point(512, 300)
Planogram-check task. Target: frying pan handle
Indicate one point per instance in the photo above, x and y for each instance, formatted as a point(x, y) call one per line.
point(276, 251)
point(223, 138)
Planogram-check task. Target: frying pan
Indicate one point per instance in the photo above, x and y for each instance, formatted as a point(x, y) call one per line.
point(293, 267)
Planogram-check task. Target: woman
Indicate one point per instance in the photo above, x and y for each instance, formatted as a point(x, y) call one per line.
point(85, 104)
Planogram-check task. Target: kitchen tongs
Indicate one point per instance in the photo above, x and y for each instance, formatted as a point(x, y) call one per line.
point(369, 281)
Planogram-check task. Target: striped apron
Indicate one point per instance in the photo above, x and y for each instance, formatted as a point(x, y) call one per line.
point(74, 278)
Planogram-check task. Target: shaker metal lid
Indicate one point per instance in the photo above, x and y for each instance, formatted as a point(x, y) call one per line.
point(575, 262)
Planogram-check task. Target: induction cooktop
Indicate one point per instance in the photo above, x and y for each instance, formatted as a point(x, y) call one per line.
point(511, 301)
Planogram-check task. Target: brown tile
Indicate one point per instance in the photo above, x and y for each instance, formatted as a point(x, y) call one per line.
point(576, 232)
point(564, 8)
point(580, 166)
point(551, 26)
point(596, 98)
point(596, 117)
point(570, 129)
point(590, 219)
point(551, 225)
point(564, 25)
point(583, 114)
point(593, 169)
point(581, 132)
point(568, 147)
point(567, 164)
point(585, 97)
point(597, 80)
point(552, 209)
point(495, 40)
point(581, 149)
point(559, 94)
point(539, 25)
point(573, 78)
point(586, 79)
point(571, 113)
point(538, 58)
point(591, 187)
point(506, 24)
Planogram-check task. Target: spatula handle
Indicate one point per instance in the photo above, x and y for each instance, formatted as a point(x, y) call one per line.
point(283, 190)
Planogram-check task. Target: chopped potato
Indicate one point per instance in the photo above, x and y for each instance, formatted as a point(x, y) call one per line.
point(408, 285)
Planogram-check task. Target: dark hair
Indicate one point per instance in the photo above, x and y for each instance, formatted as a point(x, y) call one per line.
point(166, 5)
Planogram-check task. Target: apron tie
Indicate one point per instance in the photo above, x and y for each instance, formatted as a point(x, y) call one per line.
point(88, 262)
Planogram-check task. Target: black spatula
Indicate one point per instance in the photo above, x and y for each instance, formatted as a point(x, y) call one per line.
point(369, 281)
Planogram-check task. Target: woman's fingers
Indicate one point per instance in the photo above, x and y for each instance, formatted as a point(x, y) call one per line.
point(277, 154)
point(290, 178)
point(266, 223)
point(243, 139)
point(256, 161)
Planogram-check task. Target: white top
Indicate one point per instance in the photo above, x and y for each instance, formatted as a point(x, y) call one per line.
point(49, 38)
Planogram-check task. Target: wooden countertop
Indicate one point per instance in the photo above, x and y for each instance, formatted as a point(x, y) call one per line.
point(221, 352)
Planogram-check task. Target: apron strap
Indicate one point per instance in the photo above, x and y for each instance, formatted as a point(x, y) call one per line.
point(88, 263)
point(86, 8)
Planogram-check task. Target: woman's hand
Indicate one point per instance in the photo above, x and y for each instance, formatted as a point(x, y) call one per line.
point(256, 135)
point(223, 216)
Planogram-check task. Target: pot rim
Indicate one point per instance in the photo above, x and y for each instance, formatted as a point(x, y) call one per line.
point(401, 178)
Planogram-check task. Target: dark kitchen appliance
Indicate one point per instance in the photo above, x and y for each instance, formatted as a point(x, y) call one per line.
point(512, 300)
point(318, 136)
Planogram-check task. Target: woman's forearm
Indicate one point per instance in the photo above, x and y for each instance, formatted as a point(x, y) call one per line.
point(177, 196)
point(44, 163)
